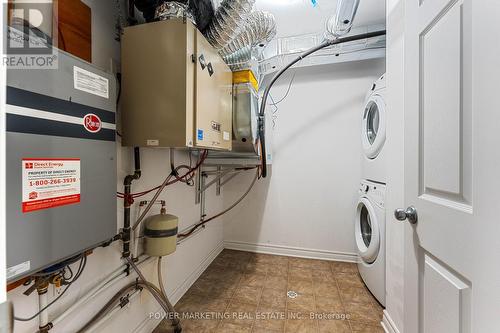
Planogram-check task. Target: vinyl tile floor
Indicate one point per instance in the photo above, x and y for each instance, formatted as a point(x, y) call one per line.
point(243, 292)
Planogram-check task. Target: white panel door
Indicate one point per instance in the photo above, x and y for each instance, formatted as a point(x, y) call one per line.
point(452, 166)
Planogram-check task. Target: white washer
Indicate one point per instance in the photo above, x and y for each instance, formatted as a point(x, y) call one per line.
point(370, 237)
point(373, 133)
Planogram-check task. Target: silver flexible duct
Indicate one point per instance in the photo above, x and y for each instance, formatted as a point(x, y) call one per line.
point(240, 59)
point(169, 10)
point(259, 29)
point(228, 21)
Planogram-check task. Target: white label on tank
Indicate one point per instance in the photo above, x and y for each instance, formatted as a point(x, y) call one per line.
point(153, 143)
point(49, 183)
point(18, 269)
point(90, 82)
point(226, 136)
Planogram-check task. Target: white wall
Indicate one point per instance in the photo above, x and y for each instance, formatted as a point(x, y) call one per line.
point(306, 206)
point(395, 146)
point(180, 267)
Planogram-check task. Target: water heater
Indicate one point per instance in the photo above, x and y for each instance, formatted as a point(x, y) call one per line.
point(60, 163)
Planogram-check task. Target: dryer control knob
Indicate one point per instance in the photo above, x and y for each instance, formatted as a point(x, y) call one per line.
point(366, 188)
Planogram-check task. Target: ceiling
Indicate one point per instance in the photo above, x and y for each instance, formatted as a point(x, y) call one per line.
point(299, 17)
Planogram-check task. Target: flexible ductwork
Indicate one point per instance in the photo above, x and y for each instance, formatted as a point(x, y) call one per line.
point(259, 29)
point(169, 10)
point(201, 10)
point(228, 21)
point(240, 59)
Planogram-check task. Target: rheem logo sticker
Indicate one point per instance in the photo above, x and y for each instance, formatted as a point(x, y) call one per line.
point(92, 123)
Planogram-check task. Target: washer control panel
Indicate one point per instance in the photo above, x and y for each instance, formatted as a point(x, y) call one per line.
point(374, 191)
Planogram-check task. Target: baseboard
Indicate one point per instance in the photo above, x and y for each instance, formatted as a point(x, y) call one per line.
point(388, 324)
point(148, 325)
point(291, 251)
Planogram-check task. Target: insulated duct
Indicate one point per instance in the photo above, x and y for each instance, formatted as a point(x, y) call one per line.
point(201, 10)
point(228, 21)
point(170, 10)
point(240, 59)
point(259, 28)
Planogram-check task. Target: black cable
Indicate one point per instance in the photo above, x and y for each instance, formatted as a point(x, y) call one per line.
point(70, 271)
point(262, 113)
point(81, 268)
point(119, 82)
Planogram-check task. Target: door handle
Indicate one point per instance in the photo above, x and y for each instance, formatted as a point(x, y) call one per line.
point(409, 214)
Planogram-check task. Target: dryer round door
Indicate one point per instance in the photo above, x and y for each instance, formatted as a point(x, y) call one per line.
point(367, 231)
point(373, 126)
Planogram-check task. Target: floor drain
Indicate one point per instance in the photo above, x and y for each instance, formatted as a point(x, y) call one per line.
point(292, 294)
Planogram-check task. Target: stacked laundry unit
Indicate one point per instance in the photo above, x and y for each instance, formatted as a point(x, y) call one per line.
point(370, 211)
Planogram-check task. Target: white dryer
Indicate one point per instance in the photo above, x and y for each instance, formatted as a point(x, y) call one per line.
point(370, 237)
point(373, 133)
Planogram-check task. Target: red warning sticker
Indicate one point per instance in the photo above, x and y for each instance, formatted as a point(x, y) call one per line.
point(49, 183)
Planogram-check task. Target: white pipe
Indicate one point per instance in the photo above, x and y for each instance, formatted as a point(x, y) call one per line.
point(110, 280)
point(112, 312)
point(43, 317)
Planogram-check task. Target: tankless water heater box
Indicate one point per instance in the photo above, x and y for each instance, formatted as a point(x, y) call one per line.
point(61, 163)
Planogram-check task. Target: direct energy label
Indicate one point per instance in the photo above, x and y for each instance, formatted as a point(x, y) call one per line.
point(49, 183)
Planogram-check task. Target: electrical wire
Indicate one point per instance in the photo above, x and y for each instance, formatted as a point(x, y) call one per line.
point(275, 104)
point(187, 175)
point(166, 183)
point(175, 170)
point(307, 53)
point(81, 268)
point(287, 91)
point(203, 222)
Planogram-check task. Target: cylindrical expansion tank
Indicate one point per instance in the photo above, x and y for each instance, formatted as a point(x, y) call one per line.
point(160, 233)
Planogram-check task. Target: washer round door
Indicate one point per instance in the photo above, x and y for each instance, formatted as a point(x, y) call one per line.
point(373, 126)
point(367, 231)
